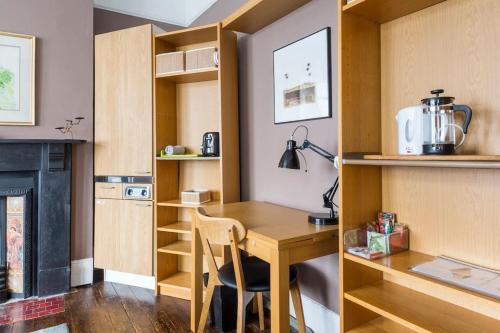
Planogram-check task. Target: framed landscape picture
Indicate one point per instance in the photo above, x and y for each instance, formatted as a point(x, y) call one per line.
point(302, 79)
point(17, 79)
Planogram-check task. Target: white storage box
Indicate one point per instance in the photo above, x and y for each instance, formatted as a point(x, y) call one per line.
point(195, 196)
point(170, 63)
point(204, 58)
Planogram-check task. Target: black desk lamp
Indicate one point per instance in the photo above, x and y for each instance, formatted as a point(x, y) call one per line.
point(290, 160)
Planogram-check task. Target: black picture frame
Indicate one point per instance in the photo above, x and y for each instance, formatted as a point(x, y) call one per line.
point(329, 77)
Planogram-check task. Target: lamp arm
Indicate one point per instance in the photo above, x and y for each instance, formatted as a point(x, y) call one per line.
point(318, 150)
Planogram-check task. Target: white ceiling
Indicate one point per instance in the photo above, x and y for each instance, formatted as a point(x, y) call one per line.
point(179, 12)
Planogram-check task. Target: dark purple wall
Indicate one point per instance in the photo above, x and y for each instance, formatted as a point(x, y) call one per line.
point(262, 142)
point(64, 89)
point(107, 21)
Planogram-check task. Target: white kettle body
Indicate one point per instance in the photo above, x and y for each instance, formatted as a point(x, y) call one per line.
point(410, 130)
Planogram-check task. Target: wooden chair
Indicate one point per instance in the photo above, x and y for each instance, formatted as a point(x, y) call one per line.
point(250, 276)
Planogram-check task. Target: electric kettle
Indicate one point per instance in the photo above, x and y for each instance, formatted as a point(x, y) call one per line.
point(439, 124)
point(410, 130)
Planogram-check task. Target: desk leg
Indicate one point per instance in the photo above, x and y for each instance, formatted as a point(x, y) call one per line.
point(196, 280)
point(280, 287)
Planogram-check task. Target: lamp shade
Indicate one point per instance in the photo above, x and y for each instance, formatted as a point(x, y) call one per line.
point(290, 159)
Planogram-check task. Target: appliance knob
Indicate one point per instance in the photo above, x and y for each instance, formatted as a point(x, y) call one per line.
point(144, 193)
point(130, 191)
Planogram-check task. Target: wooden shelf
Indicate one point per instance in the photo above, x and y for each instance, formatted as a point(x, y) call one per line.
point(180, 279)
point(180, 227)
point(382, 11)
point(183, 248)
point(180, 247)
point(178, 285)
point(399, 264)
point(418, 311)
point(200, 75)
point(179, 204)
point(196, 35)
point(256, 14)
point(432, 161)
point(380, 325)
point(187, 158)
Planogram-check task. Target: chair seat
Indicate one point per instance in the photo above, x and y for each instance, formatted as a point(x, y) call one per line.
point(257, 274)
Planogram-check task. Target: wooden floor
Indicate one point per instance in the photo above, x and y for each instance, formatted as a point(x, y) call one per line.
point(111, 307)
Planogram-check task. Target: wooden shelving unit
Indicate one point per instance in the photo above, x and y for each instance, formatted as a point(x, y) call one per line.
point(187, 105)
point(448, 202)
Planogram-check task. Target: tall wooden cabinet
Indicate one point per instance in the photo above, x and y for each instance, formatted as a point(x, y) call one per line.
point(123, 232)
point(124, 102)
point(391, 54)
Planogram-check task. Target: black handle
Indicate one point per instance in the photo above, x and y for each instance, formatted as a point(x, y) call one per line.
point(437, 92)
point(468, 115)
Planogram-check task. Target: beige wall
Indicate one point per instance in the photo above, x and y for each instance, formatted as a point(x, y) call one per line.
point(262, 142)
point(64, 89)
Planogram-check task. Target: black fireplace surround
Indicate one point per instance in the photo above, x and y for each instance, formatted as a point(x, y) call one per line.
point(40, 170)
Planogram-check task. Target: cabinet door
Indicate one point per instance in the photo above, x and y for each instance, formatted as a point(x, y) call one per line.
point(124, 103)
point(124, 236)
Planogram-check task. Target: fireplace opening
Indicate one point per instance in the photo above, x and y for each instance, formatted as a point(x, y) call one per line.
point(15, 243)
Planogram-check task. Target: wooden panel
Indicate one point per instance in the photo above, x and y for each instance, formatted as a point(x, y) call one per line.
point(396, 268)
point(108, 190)
point(123, 103)
point(463, 61)
point(124, 236)
point(420, 312)
point(204, 175)
point(197, 112)
point(451, 212)
point(256, 14)
point(386, 10)
point(360, 85)
point(229, 122)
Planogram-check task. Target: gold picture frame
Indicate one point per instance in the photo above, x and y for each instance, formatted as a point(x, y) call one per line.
point(17, 79)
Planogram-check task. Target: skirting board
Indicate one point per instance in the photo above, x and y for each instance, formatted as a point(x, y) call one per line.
point(82, 272)
point(135, 280)
point(318, 318)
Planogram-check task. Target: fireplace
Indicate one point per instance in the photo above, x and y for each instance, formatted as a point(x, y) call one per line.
point(35, 217)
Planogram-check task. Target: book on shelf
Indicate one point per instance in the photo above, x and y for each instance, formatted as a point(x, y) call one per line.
point(462, 274)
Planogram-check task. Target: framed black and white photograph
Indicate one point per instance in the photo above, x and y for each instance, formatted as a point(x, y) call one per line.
point(302, 79)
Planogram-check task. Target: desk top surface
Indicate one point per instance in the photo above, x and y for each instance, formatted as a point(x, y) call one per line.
point(272, 223)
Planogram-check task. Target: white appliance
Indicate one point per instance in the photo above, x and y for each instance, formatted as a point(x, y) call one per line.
point(410, 130)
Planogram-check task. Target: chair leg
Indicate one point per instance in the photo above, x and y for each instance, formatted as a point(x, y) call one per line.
point(206, 306)
point(260, 302)
point(240, 323)
point(297, 305)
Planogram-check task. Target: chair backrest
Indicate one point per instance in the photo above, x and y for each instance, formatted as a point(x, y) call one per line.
point(221, 231)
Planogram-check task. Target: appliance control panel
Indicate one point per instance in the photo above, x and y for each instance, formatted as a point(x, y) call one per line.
point(137, 191)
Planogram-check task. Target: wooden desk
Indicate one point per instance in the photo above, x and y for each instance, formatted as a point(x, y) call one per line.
point(279, 235)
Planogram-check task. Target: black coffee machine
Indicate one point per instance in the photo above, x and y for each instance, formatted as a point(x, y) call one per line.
point(210, 144)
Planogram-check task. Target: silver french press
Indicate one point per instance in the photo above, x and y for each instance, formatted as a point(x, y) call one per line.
point(439, 124)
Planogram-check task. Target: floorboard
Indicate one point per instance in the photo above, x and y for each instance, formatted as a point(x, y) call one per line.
point(116, 308)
